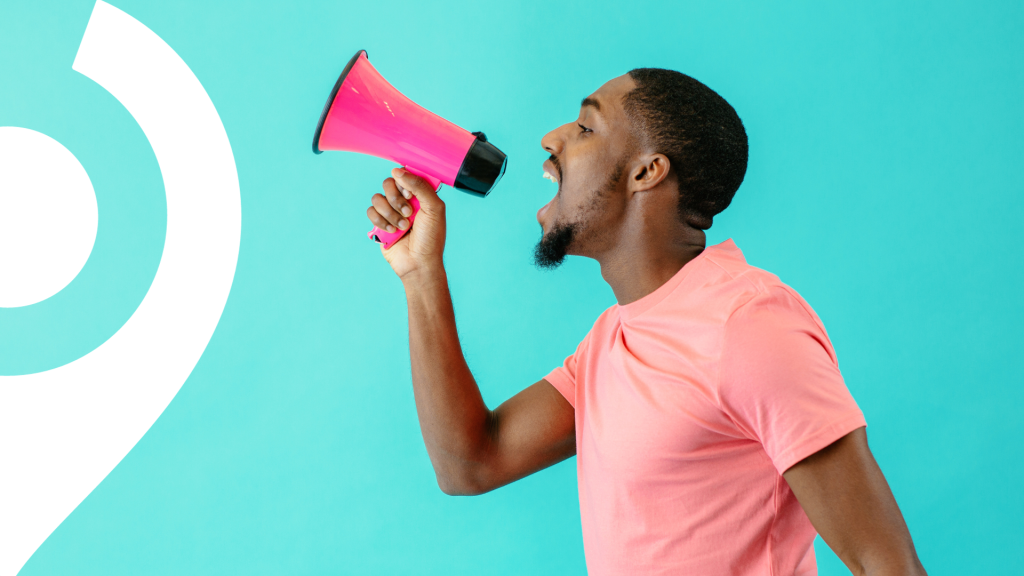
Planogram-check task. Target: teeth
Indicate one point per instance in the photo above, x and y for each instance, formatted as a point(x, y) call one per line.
point(550, 177)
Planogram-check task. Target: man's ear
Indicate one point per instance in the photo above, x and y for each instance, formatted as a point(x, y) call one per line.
point(651, 170)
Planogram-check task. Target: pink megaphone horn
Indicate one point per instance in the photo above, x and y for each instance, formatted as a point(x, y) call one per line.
point(366, 114)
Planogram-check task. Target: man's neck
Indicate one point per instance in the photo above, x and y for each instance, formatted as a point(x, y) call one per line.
point(638, 266)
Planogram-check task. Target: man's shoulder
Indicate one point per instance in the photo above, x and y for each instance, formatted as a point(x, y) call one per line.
point(726, 264)
point(739, 287)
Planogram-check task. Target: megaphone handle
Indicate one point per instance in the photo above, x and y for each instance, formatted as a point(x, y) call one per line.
point(388, 239)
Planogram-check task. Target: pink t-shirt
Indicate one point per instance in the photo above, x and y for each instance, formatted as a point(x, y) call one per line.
point(690, 403)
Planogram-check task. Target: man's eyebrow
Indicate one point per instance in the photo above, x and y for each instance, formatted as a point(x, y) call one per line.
point(588, 101)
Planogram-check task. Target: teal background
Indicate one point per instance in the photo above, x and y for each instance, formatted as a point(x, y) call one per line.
point(884, 185)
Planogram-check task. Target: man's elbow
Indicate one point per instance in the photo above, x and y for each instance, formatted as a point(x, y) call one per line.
point(458, 489)
point(463, 483)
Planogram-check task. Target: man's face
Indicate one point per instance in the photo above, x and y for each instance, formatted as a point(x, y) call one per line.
point(588, 161)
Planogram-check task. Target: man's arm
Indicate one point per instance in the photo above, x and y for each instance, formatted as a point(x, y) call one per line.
point(472, 449)
point(848, 501)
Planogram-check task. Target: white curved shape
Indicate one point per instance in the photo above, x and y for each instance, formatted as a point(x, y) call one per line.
point(48, 217)
point(62, 431)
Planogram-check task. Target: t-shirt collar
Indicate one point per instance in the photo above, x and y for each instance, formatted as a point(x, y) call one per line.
point(634, 309)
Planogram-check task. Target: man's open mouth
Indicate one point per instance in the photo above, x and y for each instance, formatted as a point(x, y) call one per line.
point(550, 173)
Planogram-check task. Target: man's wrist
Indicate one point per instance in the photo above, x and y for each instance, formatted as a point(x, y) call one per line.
point(424, 276)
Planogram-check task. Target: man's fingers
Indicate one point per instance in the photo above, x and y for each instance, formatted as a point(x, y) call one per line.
point(384, 208)
point(378, 220)
point(420, 188)
point(395, 198)
point(405, 193)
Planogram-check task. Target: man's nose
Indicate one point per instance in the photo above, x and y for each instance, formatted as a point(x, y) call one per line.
point(553, 142)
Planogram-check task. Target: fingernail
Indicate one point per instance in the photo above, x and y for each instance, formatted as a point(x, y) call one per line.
point(403, 223)
point(406, 211)
point(391, 228)
point(401, 171)
point(407, 194)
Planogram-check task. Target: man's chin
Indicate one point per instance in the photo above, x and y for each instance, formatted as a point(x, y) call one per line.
point(554, 246)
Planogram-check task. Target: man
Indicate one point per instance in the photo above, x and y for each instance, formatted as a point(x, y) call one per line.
point(712, 428)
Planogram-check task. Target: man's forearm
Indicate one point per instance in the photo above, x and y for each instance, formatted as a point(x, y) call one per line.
point(453, 417)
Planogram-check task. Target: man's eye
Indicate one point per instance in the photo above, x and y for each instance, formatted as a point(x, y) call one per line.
point(583, 128)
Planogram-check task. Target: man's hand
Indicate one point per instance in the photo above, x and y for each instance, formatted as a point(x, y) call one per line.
point(422, 248)
point(848, 501)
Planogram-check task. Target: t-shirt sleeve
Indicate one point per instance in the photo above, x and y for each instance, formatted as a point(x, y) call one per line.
point(780, 381)
point(563, 378)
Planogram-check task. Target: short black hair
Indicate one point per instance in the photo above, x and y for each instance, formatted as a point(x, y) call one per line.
point(698, 131)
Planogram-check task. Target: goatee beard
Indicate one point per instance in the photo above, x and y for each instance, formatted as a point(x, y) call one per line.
point(553, 247)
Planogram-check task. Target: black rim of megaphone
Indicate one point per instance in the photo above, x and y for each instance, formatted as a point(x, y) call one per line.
point(330, 99)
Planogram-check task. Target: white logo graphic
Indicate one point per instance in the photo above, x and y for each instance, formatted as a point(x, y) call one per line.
point(62, 431)
point(47, 217)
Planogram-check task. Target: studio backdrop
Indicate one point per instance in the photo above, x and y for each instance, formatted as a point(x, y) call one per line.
point(204, 364)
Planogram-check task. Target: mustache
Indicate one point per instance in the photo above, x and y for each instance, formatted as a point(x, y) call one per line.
point(558, 166)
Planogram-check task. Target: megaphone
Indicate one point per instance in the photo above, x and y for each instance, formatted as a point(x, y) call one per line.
point(366, 114)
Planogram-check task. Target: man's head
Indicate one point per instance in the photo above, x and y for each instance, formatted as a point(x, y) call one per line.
point(651, 149)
